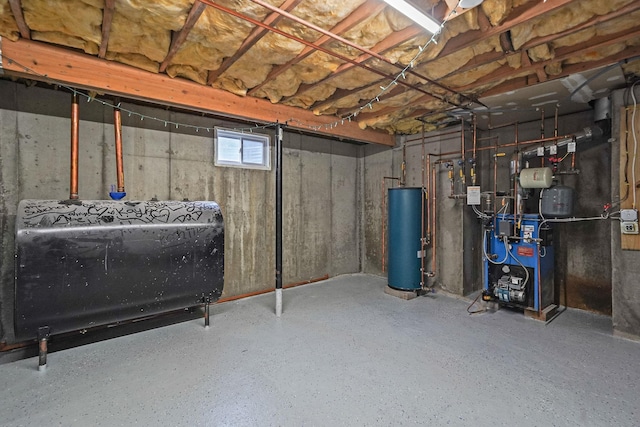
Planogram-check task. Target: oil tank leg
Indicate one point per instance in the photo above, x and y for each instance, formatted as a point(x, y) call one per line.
point(43, 338)
point(207, 303)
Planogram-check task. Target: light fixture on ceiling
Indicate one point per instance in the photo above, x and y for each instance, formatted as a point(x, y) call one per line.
point(468, 4)
point(425, 21)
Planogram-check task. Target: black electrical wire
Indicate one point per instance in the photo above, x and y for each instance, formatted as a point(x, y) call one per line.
point(471, 305)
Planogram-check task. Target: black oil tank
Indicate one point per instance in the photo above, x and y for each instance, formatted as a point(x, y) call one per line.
point(103, 262)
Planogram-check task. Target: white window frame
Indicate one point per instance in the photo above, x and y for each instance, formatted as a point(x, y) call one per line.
point(242, 140)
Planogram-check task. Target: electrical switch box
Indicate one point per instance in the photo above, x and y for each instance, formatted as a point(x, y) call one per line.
point(629, 221)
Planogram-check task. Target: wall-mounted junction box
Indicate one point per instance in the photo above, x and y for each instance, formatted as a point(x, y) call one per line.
point(629, 221)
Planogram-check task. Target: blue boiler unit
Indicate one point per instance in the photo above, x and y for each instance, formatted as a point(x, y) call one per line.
point(518, 263)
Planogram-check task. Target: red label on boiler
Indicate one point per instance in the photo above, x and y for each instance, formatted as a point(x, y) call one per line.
point(525, 251)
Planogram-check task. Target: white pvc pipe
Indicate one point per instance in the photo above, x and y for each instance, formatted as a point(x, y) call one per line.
point(278, 302)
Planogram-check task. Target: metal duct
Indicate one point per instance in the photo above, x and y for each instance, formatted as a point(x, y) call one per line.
point(585, 135)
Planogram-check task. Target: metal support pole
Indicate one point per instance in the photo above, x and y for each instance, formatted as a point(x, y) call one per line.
point(279, 133)
point(43, 338)
point(207, 304)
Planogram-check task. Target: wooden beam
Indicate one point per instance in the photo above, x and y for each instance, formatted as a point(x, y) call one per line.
point(107, 18)
point(521, 82)
point(83, 71)
point(561, 54)
point(488, 57)
point(256, 34)
point(395, 39)
point(367, 9)
point(517, 16)
point(526, 61)
point(16, 9)
point(179, 38)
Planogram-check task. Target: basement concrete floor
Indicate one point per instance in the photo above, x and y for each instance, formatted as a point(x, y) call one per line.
point(343, 353)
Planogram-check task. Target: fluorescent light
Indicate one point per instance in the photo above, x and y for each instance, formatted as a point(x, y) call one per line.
point(415, 15)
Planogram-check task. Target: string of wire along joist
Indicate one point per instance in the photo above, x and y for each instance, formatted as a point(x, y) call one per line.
point(170, 123)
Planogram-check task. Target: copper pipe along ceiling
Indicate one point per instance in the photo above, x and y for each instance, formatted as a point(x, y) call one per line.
point(75, 126)
point(117, 125)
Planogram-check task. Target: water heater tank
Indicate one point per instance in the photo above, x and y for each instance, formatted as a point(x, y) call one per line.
point(405, 233)
point(557, 202)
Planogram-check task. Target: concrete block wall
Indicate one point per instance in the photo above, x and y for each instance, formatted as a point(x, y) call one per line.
point(320, 187)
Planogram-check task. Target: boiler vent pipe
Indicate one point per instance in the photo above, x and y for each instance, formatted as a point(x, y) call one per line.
point(75, 131)
point(279, 133)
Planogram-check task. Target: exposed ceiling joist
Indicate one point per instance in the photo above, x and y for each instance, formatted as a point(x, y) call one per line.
point(107, 18)
point(78, 70)
point(16, 9)
point(179, 38)
point(390, 42)
point(312, 45)
point(561, 54)
point(253, 38)
point(367, 9)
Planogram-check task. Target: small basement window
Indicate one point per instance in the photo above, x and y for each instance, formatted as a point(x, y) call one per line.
point(239, 149)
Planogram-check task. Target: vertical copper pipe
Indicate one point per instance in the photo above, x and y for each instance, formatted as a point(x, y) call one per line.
point(495, 186)
point(429, 196)
point(403, 181)
point(474, 178)
point(542, 134)
point(516, 205)
point(75, 127)
point(117, 125)
point(434, 242)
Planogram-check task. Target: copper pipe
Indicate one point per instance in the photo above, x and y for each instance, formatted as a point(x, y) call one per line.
point(473, 156)
point(495, 184)
point(573, 160)
point(429, 196)
point(75, 131)
point(505, 125)
point(434, 242)
point(487, 137)
point(475, 135)
point(117, 128)
point(512, 144)
point(438, 135)
point(403, 181)
point(542, 133)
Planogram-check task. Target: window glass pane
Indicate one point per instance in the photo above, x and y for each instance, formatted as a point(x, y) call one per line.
point(253, 152)
point(243, 150)
point(228, 149)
